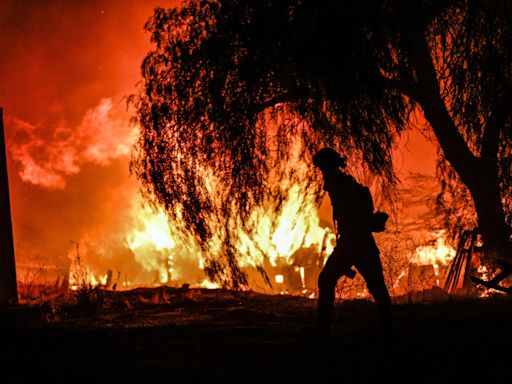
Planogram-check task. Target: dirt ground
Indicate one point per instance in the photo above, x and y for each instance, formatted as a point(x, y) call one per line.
point(196, 335)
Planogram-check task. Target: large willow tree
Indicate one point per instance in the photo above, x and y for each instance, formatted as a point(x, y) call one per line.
point(230, 86)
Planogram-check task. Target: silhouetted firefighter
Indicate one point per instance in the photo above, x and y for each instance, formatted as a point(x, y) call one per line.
point(355, 220)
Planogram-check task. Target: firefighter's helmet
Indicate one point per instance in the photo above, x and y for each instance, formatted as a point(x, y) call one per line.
point(328, 158)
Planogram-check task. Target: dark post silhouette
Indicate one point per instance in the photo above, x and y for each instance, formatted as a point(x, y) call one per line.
point(8, 287)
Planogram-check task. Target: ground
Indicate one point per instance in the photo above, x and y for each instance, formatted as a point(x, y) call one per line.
point(197, 335)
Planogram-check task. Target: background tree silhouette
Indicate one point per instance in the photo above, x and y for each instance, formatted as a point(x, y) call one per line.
point(231, 85)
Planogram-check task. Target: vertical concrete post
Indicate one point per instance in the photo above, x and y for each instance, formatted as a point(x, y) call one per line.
point(8, 287)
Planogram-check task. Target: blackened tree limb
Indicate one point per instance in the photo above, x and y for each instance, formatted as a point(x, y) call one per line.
point(491, 285)
point(428, 93)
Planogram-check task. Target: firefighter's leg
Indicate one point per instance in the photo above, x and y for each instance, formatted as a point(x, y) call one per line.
point(337, 263)
point(370, 267)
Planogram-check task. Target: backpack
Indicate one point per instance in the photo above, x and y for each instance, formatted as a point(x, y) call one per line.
point(379, 221)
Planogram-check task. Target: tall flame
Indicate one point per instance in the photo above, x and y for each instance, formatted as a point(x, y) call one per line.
point(296, 226)
point(153, 244)
point(158, 244)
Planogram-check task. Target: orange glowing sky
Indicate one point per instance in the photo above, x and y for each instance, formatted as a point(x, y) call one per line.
point(60, 60)
point(64, 70)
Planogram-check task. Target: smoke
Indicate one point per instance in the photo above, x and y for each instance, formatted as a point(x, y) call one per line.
point(47, 158)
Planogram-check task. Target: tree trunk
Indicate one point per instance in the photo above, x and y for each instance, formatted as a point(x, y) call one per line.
point(479, 174)
point(485, 191)
point(481, 178)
